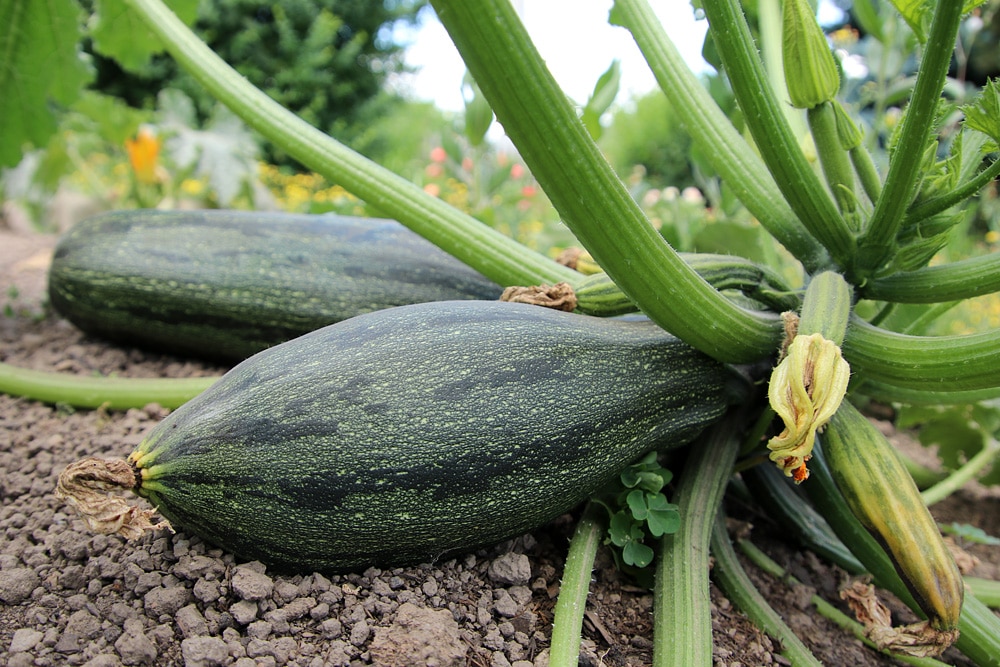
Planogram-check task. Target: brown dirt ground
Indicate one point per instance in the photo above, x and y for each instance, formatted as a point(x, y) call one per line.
point(69, 597)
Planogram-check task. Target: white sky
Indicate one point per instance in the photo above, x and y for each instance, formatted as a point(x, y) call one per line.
point(575, 39)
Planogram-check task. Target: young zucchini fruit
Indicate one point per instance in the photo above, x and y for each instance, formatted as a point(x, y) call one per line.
point(397, 436)
point(226, 284)
point(881, 494)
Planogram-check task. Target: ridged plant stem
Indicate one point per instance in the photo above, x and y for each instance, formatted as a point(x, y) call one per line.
point(777, 144)
point(567, 618)
point(722, 145)
point(496, 256)
point(729, 574)
point(878, 242)
point(962, 279)
point(682, 624)
point(589, 196)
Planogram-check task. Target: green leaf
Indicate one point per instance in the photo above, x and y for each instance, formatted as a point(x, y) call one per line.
point(917, 14)
point(663, 517)
point(605, 91)
point(119, 33)
point(39, 64)
point(637, 554)
point(478, 114)
point(984, 112)
point(636, 501)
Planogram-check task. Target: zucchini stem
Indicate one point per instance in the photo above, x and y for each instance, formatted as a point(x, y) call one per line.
point(729, 574)
point(681, 590)
point(966, 473)
point(567, 619)
point(112, 393)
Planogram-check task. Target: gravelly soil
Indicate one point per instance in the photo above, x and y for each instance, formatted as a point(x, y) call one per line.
point(68, 597)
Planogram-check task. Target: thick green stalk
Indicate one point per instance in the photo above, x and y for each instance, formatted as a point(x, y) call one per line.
point(496, 256)
point(682, 625)
point(567, 618)
point(775, 141)
point(878, 242)
point(729, 574)
point(722, 145)
point(963, 279)
point(112, 393)
point(926, 363)
point(889, 393)
point(592, 200)
point(826, 307)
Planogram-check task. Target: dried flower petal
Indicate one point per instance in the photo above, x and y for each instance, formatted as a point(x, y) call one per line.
point(806, 389)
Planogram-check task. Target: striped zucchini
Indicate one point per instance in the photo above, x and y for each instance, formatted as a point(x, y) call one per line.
point(400, 435)
point(881, 494)
point(226, 284)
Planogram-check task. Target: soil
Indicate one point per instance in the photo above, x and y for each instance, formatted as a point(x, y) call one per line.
point(69, 597)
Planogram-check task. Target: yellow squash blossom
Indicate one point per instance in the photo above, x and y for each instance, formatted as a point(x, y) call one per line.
point(806, 388)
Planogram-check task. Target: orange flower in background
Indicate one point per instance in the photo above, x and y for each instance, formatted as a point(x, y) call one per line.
point(143, 155)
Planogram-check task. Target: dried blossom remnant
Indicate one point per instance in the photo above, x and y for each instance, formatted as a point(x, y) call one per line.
point(85, 486)
point(916, 639)
point(558, 297)
point(806, 389)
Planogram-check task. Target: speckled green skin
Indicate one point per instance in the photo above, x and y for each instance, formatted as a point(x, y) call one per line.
point(226, 284)
point(397, 436)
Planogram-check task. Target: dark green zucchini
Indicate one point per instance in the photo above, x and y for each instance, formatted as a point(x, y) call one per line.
point(400, 435)
point(226, 284)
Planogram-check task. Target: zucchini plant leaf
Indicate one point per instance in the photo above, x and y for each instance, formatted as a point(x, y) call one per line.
point(119, 33)
point(983, 114)
point(40, 64)
point(959, 432)
point(605, 91)
point(917, 14)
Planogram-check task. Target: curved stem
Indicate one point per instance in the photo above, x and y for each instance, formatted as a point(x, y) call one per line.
point(722, 145)
point(94, 392)
point(878, 241)
point(926, 363)
point(964, 474)
point(963, 279)
point(777, 145)
point(943, 202)
point(592, 200)
point(567, 618)
point(729, 574)
point(496, 256)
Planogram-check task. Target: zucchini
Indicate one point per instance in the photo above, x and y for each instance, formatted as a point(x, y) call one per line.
point(400, 435)
point(882, 495)
point(223, 285)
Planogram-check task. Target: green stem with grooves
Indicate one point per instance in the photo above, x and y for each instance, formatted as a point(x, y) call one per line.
point(962, 279)
point(834, 160)
point(567, 617)
point(943, 364)
point(112, 393)
point(589, 196)
point(826, 307)
point(729, 574)
point(878, 241)
point(496, 256)
point(965, 474)
point(825, 609)
point(723, 146)
point(777, 145)
point(682, 623)
point(864, 167)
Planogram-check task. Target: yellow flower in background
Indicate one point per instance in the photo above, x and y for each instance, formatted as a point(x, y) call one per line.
point(806, 388)
point(144, 154)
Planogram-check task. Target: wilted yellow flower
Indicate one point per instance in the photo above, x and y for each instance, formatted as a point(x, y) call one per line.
point(806, 388)
point(143, 155)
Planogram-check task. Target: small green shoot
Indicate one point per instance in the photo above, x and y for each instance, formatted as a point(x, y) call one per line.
point(968, 533)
